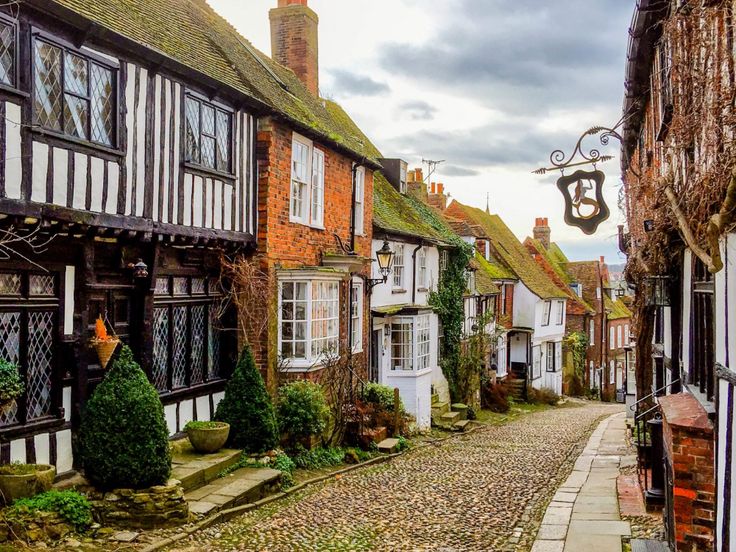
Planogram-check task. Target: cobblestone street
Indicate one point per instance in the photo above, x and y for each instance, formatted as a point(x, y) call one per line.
point(483, 491)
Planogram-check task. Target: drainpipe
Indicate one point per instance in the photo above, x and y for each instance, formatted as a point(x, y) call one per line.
point(414, 273)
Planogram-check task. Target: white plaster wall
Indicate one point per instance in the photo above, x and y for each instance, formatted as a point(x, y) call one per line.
point(519, 347)
point(551, 332)
point(524, 306)
point(384, 295)
point(415, 391)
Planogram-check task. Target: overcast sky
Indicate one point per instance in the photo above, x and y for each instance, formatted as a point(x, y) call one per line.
point(489, 86)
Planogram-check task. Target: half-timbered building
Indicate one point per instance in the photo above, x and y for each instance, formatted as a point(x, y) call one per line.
point(128, 167)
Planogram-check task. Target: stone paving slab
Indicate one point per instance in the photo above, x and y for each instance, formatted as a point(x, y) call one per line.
point(594, 522)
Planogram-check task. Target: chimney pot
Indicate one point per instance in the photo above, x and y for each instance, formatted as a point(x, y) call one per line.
point(440, 188)
point(284, 3)
point(603, 260)
point(542, 232)
point(418, 175)
point(433, 188)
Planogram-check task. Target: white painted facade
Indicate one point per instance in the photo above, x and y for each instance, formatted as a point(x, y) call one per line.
point(405, 360)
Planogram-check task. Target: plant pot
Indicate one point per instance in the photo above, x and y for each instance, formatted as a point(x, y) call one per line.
point(210, 439)
point(30, 480)
point(6, 405)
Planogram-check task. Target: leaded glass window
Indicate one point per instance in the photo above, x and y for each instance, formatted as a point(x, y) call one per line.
point(186, 332)
point(208, 134)
point(29, 314)
point(73, 94)
point(8, 50)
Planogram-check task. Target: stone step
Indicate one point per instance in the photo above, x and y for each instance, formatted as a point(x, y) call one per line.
point(461, 409)
point(438, 409)
point(449, 418)
point(462, 425)
point(389, 446)
point(435, 398)
point(243, 486)
point(195, 470)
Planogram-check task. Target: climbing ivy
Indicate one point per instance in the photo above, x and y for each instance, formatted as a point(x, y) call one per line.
point(577, 344)
point(447, 301)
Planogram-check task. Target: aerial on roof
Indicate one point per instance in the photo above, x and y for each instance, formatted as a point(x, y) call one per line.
point(511, 251)
point(400, 214)
point(192, 34)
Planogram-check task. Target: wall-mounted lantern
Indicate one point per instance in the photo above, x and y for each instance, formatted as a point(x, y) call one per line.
point(139, 269)
point(385, 258)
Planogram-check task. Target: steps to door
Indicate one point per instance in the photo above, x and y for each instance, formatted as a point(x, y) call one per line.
point(207, 492)
point(449, 417)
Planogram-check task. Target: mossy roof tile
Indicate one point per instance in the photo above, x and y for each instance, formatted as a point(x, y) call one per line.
point(618, 309)
point(485, 276)
point(194, 35)
point(513, 253)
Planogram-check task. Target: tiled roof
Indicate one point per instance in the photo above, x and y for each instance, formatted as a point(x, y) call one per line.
point(618, 308)
point(191, 33)
point(511, 251)
point(400, 214)
point(484, 276)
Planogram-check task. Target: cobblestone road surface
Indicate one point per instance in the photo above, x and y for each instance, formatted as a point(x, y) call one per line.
point(485, 491)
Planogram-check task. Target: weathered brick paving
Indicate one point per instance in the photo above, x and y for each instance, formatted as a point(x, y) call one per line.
point(485, 491)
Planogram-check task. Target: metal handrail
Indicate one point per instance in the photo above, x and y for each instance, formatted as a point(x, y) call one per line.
point(643, 414)
point(653, 394)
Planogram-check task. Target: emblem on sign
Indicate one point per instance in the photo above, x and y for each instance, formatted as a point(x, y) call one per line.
point(585, 207)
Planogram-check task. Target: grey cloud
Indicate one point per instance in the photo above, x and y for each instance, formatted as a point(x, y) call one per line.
point(454, 170)
point(348, 83)
point(524, 55)
point(417, 110)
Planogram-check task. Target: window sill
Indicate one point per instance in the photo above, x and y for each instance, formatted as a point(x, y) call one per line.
point(409, 373)
point(207, 171)
point(14, 92)
point(35, 129)
point(31, 428)
point(168, 397)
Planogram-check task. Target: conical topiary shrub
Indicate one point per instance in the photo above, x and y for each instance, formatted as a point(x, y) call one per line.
point(124, 442)
point(248, 409)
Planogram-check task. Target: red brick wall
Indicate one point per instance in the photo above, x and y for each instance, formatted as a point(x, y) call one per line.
point(295, 40)
point(287, 245)
point(689, 446)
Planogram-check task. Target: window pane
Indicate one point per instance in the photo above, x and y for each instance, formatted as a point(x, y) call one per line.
point(103, 105)
point(7, 54)
point(40, 357)
point(197, 344)
point(9, 284)
point(76, 116)
point(10, 351)
point(214, 344)
point(47, 85)
point(41, 284)
point(223, 141)
point(208, 120)
point(76, 79)
point(179, 360)
point(160, 348)
point(208, 152)
point(192, 139)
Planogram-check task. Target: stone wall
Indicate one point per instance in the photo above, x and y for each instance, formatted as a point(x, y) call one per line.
point(160, 506)
point(689, 448)
point(34, 527)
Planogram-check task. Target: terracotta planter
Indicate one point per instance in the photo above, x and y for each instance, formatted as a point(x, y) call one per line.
point(209, 439)
point(38, 480)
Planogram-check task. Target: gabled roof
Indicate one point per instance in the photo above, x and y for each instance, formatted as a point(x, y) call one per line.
point(510, 250)
point(485, 276)
point(551, 260)
point(190, 33)
point(401, 214)
point(618, 308)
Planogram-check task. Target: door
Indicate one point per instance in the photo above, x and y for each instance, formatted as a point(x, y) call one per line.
point(376, 354)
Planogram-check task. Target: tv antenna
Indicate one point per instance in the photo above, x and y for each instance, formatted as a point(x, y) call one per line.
point(431, 168)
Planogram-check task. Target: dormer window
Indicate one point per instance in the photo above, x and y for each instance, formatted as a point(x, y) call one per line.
point(73, 93)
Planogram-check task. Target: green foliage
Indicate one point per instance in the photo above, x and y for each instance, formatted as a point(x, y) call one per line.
point(203, 425)
point(18, 468)
point(123, 439)
point(247, 408)
point(472, 415)
point(403, 443)
point(72, 507)
point(447, 301)
point(302, 410)
point(11, 382)
point(577, 344)
point(381, 395)
point(318, 458)
point(356, 455)
point(286, 466)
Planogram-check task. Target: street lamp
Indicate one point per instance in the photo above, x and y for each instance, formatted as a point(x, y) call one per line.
point(385, 258)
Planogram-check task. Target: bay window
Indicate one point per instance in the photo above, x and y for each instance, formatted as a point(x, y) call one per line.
point(208, 134)
point(410, 343)
point(307, 201)
point(309, 325)
point(73, 93)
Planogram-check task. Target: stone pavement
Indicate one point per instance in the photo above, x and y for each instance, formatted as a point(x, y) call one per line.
point(584, 513)
point(483, 491)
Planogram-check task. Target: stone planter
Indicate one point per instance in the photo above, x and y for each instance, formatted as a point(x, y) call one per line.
point(209, 439)
point(25, 480)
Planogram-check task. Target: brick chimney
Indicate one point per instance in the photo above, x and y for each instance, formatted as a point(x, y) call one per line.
point(295, 40)
point(542, 233)
point(437, 197)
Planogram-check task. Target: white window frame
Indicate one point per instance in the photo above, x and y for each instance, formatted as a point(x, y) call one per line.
point(311, 357)
point(356, 315)
point(399, 267)
point(546, 311)
point(560, 313)
point(620, 336)
point(612, 338)
point(551, 357)
point(627, 335)
point(311, 184)
point(360, 201)
point(591, 332)
point(422, 268)
point(416, 352)
point(612, 372)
